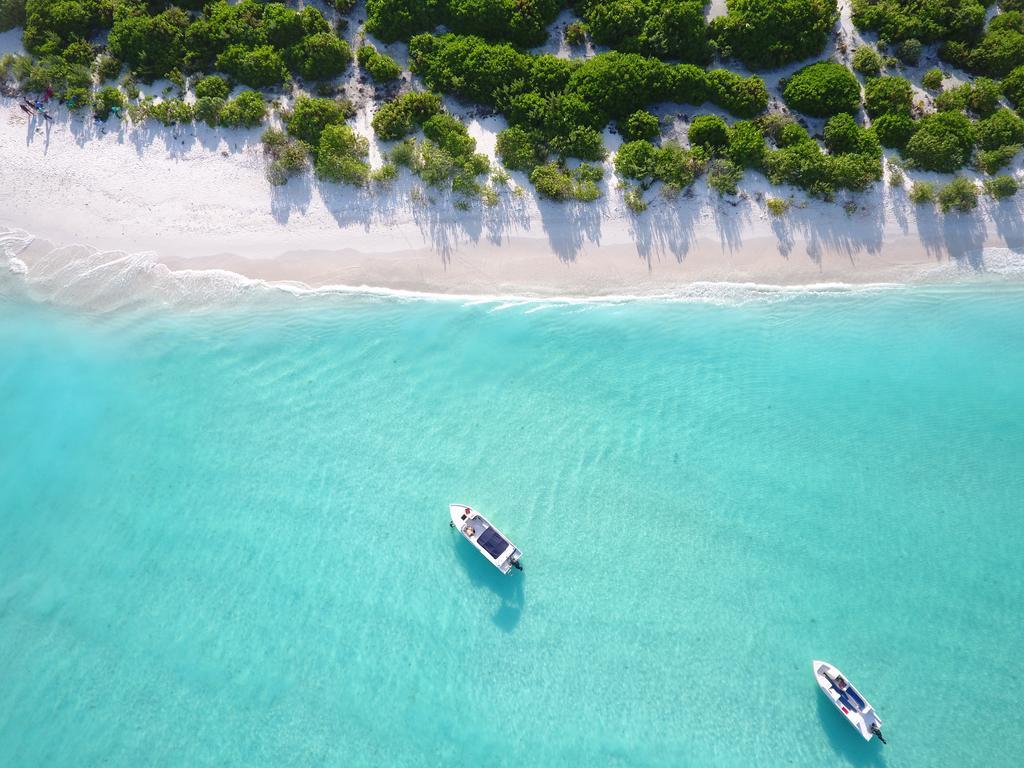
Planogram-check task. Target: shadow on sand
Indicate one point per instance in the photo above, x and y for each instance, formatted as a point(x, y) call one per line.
point(509, 589)
point(845, 741)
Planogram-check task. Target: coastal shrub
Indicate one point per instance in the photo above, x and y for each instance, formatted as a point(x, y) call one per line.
point(79, 52)
point(450, 134)
point(888, 95)
point(867, 61)
point(843, 136)
point(556, 182)
point(1013, 87)
point(671, 29)
point(823, 89)
point(50, 25)
point(996, 53)
point(635, 159)
point(953, 99)
point(257, 67)
point(106, 67)
point(1001, 187)
point(403, 115)
point(310, 116)
point(341, 155)
point(575, 34)
point(960, 194)
point(764, 34)
point(319, 57)
point(172, 112)
point(777, 206)
point(287, 157)
point(942, 142)
point(894, 129)
point(151, 46)
point(999, 129)
point(804, 165)
point(909, 51)
point(105, 100)
point(208, 109)
point(583, 142)
point(641, 125)
point(924, 21)
point(212, 86)
point(932, 79)
point(746, 146)
point(709, 131)
point(992, 160)
point(523, 22)
point(724, 176)
point(605, 87)
point(247, 109)
point(12, 14)
point(922, 192)
point(676, 167)
point(984, 96)
point(518, 151)
point(380, 66)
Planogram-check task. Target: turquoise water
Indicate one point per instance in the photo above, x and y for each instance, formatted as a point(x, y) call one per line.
point(224, 539)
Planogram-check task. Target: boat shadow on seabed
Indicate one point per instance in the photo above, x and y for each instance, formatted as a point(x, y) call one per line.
point(845, 741)
point(508, 588)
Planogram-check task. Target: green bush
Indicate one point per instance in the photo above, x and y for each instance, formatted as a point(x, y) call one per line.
point(922, 192)
point(583, 142)
point(909, 51)
point(212, 86)
point(953, 99)
point(960, 194)
point(257, 67)
point(867, 61)
point(724, 176)
point(518, 150)
point(641, 125)
point(523, 22)
point(381, 67)
point(672, 29)
point(746, 144)
point(576, 34)
point(888, 95)
point(932, 79)
point(635, 159)
point(322, 56)
point(843, 136)
point(247, 109)
point(403, 115)
point(924, 21)
point(105, 100)
point(991, 160)
point(1001, 128)
point(984, 97)
point(709, 131)
point(999, 50)
point(1002, 187)
point(764, 34)
point(172, 112)
point(107, 67)
point(341, 155)
point(450, 134)
point(894, 129)
point(151, 46)
point(12, 14)
point(208, 109)
point(310, 116)
point(556, 182)
point(822, 90)
point(1013, 87)
point(671, 164)
point(942, 142)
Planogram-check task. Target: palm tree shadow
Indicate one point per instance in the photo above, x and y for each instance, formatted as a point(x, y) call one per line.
point(508, 588)
point(845, 741)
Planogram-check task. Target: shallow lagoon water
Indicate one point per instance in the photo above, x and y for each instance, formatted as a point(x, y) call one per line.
point(224, 539)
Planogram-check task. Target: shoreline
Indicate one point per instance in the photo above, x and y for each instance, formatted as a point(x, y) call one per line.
point(196, 198)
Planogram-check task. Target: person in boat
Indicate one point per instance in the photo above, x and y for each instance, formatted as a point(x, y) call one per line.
point(840, 683)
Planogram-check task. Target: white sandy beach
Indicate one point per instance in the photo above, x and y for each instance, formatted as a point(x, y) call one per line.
point(196, 198)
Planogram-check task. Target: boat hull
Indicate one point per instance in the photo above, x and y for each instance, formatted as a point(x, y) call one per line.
point(488, 540)
point(847, 699)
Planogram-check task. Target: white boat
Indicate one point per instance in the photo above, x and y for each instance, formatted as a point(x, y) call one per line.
point(848, 700)
point(491, 542)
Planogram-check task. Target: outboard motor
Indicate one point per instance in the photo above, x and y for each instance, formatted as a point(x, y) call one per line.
point(878, 732)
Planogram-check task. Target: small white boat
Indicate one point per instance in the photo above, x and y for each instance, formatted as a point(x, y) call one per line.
point(479, 532)
point(848, 700)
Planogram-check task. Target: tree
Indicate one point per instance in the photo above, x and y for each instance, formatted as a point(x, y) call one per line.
point(924, 21)
point(746, 144)
point(894, 129)
point(151, 46)
point(12, 14)
point(867, 61)
point(400, 117)
point(212, 86)
point(247, 109)
point(518, 150)
point(1001, 129)
point(381, 67)
point(257, 67)
point(932, 80)
point(764, 34)
point(822, 90)
point(635, 160)
point(1002, 187)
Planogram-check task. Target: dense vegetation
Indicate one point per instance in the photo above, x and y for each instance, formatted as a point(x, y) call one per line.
point(557, 109)
point(769, 33)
